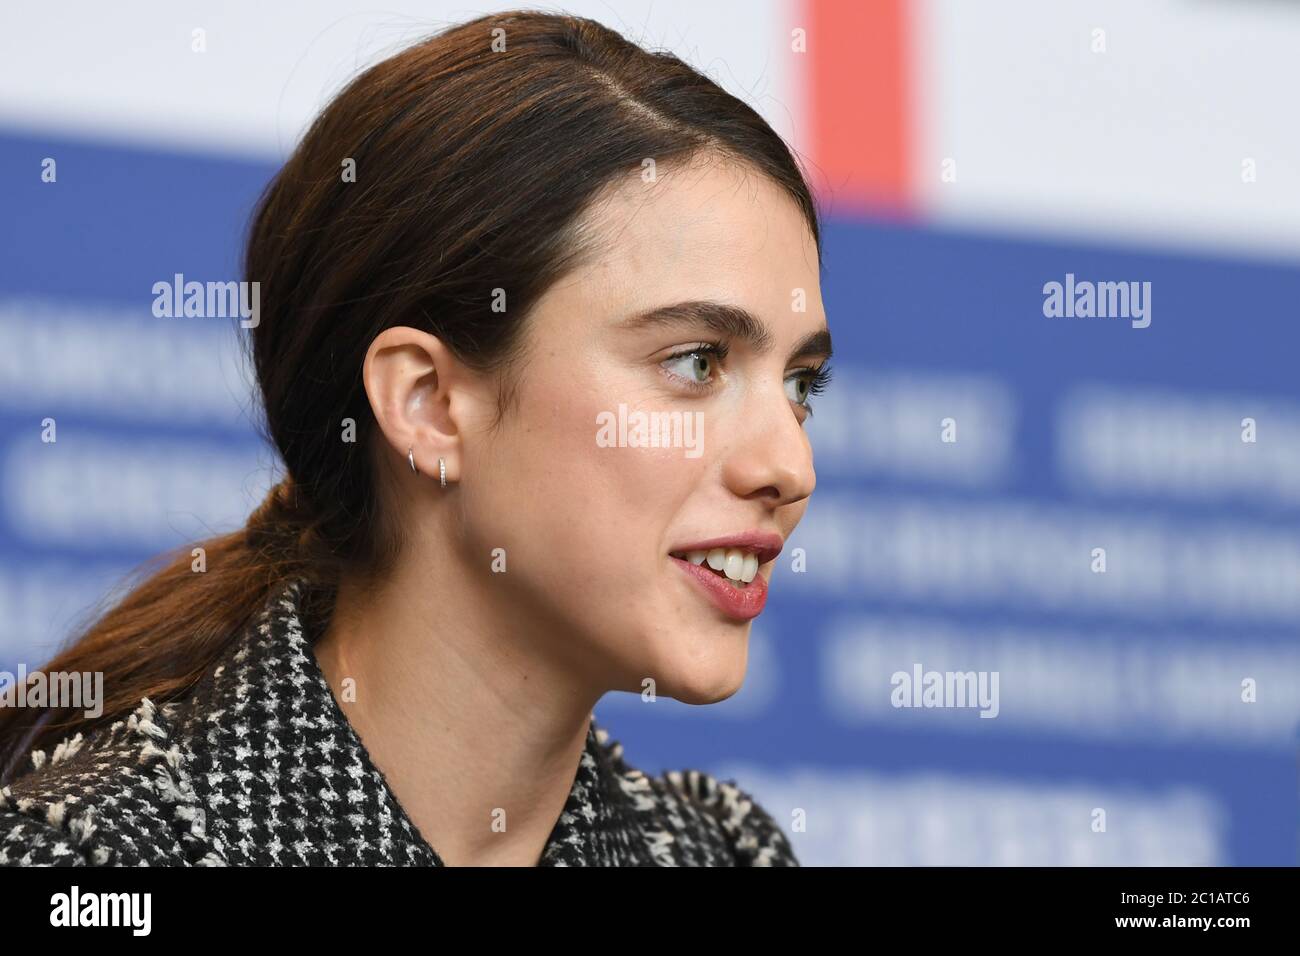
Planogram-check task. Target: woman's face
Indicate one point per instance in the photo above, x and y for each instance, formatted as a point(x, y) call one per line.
point(599, 529)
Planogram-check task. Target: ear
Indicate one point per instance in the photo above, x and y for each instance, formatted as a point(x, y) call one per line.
point(411, 379)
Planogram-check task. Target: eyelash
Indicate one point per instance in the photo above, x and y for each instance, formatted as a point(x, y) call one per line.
point(818, 378)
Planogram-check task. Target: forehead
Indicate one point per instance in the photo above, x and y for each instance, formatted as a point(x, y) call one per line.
point(710, 229)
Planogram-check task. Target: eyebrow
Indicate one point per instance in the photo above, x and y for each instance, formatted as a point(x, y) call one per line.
point(730, 321)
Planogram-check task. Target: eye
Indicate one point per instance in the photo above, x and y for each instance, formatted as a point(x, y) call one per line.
point(697, 365)
point(802, 385)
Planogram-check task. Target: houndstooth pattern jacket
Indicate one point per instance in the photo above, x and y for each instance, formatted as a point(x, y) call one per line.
point(259, 766)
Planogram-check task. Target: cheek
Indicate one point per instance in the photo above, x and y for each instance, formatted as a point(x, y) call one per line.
point(610, 498)
point(574, 510)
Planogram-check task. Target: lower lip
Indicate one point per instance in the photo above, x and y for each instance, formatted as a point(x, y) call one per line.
point(741, 604)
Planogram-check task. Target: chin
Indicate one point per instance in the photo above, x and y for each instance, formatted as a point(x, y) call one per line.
point(711, 697)
point(695, 680)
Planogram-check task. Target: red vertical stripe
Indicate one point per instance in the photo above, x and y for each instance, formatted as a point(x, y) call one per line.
point(859, 84)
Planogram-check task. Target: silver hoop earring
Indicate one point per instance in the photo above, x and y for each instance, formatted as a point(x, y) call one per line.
point(410, 456)
point(442, 472)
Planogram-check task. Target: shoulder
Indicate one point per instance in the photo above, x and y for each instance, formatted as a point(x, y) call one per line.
point(695, 818)
point(118, 797)
point(753, 834)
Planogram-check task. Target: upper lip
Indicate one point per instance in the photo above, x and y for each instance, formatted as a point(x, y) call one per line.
point(766, 545)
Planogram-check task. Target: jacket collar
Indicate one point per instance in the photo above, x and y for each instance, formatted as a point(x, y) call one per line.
point(265, 734)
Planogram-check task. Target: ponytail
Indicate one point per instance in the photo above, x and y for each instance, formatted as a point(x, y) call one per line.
point(171, 626)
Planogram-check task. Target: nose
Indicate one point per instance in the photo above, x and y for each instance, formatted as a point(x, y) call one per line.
point(770, 457)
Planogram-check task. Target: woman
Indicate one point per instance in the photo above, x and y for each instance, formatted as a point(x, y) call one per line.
point(540, 321)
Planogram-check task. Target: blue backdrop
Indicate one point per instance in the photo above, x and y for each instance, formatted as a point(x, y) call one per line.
point(1119, 691)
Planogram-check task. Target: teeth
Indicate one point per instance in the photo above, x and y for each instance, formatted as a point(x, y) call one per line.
point(735, 564)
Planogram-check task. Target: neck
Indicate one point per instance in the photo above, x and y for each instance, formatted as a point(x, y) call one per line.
point(476, 727)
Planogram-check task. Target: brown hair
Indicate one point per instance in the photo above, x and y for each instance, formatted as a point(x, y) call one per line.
point(476, 151)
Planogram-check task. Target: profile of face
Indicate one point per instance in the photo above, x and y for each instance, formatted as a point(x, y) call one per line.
point(655, 459)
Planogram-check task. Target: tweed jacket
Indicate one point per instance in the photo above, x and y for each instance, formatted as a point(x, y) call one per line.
point(259, 766)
